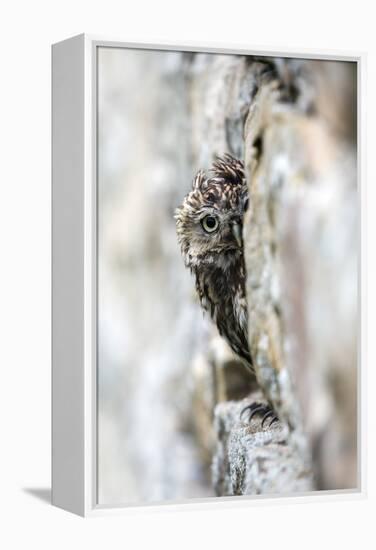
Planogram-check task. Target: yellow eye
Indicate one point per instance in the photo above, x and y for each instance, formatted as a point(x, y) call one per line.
point(209, 223)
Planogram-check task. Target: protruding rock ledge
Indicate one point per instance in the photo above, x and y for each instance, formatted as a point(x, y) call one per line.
point(249, 459)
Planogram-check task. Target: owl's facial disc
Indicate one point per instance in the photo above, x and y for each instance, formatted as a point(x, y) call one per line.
point(219, 231)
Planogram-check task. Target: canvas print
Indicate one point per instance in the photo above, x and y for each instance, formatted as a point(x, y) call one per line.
point(228, 241)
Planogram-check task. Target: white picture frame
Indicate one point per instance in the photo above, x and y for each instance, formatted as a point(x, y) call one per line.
point(74, 272)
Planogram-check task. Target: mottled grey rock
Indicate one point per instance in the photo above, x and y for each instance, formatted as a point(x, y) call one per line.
point(301, 254)
point(251, 460)
point(166, 371)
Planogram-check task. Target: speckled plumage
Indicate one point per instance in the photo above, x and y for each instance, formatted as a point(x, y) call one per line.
point(215, 256)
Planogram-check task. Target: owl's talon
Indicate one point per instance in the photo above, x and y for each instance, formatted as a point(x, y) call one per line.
point(255, 411)
point(251, 408)
point(267, 415)
point(275, 419)
point(265, 410)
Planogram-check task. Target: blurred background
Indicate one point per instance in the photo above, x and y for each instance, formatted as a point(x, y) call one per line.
point(149, 324)
point(161, 366)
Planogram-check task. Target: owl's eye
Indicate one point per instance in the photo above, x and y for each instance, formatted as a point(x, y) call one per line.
point(209, 223)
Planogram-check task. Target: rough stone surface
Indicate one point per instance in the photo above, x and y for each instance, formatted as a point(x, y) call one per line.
point(253, 460)
point(166, 369)
point(301, 253)
point(299, 147)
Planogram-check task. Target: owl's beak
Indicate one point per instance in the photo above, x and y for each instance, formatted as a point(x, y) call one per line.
point(237, 232)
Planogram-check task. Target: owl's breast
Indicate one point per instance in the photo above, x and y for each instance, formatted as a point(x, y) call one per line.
point(222, 295)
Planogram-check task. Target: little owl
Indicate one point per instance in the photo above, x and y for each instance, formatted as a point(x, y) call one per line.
point(210, 232)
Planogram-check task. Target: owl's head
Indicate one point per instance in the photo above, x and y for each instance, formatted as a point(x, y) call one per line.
point(209, 223)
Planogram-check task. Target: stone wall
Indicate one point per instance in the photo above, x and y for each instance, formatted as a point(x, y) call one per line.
point(294, 124)
point(170, 390)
